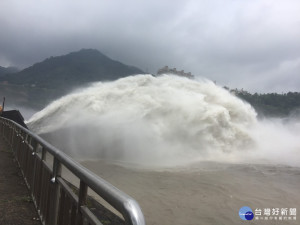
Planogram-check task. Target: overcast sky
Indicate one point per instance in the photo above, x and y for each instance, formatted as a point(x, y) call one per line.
point(254, 44)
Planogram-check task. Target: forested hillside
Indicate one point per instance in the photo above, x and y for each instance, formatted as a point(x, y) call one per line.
point(272, 104)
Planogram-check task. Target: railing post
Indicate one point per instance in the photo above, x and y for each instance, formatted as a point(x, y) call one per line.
point(56, 192)
point(35, 146)
point(81, 201)
point(42, 183)
point(44, 153)
point(11, 136)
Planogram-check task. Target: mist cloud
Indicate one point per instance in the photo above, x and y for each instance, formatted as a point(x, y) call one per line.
point(143, 119)
point(249, 44)
point(165, 121)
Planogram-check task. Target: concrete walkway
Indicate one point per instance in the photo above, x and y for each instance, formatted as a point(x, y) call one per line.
point(16, 206)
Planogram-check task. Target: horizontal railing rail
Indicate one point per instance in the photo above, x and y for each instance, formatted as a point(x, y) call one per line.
point(56, 202)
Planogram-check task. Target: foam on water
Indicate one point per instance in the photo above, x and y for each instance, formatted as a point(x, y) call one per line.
point(155, 121)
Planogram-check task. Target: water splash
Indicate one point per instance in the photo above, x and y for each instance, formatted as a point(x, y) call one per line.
point(142, 119)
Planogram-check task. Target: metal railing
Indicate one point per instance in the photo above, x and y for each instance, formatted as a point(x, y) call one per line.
point(56, 202)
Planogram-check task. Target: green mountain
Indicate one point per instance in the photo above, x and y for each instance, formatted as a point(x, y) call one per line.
point(45, 81)
point(71, 70)
point(272, 104)
point(7, 70)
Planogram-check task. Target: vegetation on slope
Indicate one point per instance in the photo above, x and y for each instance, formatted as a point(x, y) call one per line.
point(272, 104)
point(71, 70)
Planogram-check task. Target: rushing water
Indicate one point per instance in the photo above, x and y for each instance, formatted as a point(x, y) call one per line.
point(148, 120)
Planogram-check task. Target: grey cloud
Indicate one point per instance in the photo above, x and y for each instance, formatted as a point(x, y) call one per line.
point(237, 43)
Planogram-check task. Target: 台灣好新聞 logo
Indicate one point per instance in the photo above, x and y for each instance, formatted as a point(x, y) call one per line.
point(246, 213)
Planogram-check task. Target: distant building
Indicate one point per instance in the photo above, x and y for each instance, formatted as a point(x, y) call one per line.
point(167, 70)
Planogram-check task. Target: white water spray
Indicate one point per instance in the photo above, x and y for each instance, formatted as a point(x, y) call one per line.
point(153, 121)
